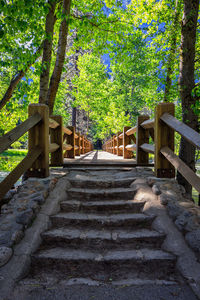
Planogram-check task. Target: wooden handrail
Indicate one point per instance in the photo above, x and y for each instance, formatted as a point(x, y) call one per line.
point(22, 167)
point(53, 147)
point(13, 135)
point(189, 175)
point(53, 124)
point(188, 133)
point(148, 148)
point(131, 130)
point(121, 135)
point(148, 124)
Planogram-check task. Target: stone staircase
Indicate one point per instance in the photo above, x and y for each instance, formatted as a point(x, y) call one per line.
point(101, 233)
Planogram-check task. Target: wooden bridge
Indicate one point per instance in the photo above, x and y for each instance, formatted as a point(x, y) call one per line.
point(48, 137)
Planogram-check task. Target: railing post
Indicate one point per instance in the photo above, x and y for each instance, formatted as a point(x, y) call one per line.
point(119, 143)
point(126, 141)
point(39, 136)
point(164, 136)
point(71, 140)
point(77, 142)
point(56, 136)
point(114, 144)
point(142, 157)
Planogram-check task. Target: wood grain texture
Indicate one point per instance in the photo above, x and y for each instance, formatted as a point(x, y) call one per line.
point(148, 124)
point(56, 136)
point(131, 130)
point(164, 136)
point(185, 171)
point(67, 131)
point(53, 124)
point(188, 133)
point(53, 147)
point(131, 147)
point(148, 148)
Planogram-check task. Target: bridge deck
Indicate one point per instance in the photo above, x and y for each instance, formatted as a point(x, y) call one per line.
point(100, 158)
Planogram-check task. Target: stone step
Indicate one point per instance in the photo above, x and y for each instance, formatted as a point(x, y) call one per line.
point(100, 194)
point(102, 221)
point(102, 206)
point(112, 264)
point(106, 239)
point(101, 183)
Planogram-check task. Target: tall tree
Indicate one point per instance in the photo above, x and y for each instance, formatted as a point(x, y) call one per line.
point(187, 83)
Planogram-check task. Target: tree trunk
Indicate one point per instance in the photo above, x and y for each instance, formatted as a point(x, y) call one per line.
point(187, 83)
point(74, 117)
point(60, 58)
point(171, 58)
point(47, 50)
point(16, 79)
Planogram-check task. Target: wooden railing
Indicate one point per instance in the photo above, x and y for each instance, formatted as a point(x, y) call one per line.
point(161, 130)
point(45, 136)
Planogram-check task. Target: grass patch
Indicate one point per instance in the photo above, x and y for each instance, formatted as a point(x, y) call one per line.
point(14, 152)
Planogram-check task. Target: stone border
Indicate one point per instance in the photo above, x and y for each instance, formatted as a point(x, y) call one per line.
point(157, 192)
point(19, 264)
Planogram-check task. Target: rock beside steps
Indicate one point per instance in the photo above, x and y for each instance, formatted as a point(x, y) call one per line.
point(101, 233)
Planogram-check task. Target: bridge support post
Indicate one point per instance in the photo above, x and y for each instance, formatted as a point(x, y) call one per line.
point(142, 157)
point(126, 141)
point(56, 136)
point(164, 136)
point(119, 143)
point(39, 136)
point(71, 141)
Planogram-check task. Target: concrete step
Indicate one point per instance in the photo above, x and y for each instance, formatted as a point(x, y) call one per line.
point(102, 206)
point(102, 239)
point(102, 221)
point(100, 194)
point(101, 183)
point(112, 264)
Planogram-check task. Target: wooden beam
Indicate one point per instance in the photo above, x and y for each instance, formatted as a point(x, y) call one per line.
point(164, 136)
point(148, 148)
point(148, 124)
point(21, 168)
point(13, 135)
point(131, 130)
point(121, 135)
point(142, 137)
point(131, 147)
point(188, 133)
point(185, 171)
point(53, 147)
point(67, 131)
point(53, 124)
point(39, 136)
point(71, 141)
point(56, 136)
point(126, 141)
point(67, 147)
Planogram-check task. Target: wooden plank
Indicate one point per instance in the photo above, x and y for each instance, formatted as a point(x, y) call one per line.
point(76, 147)
point(148, 124)
point(71, 141)
point(119, 143)
point(76, 136)
point(21, 168)
point(53, 124)
point(121, 135)
point(56, 136)
point(53, 147)
point(131, 130)
point(67, 131)
point(148, 148)
point(126, 141)
point(131, 147)
point(39, 136)
point(188, 133)
point(121, 147)
point(142, 137)
point(164, 136)
point(67, 147)
point(185, 171)
point(13, 135)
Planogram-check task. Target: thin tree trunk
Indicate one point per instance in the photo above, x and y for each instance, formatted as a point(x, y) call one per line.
point(16, 79)
point(187, 83)
point(171, 58)
point(74, 117)
point(47, 50)
point(60, 58)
